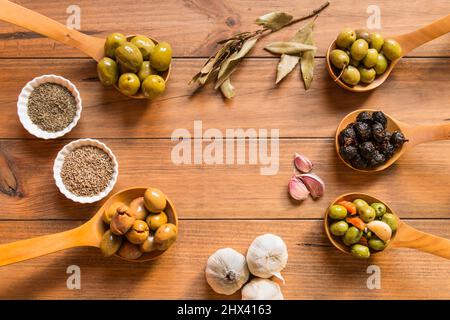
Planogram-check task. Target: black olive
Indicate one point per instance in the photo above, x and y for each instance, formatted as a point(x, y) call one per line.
point(363, 131)
point(364, 117)
point(347, 136)
point(367, 150)
point(387, 149)
point(379, 117)
point(397, 139)
point(348, 152)
point(378, 132)
point(359, 162)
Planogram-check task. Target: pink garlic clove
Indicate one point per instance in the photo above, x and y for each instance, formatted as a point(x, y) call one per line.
point(314, 183)
point(297, 189)
point(302, 163)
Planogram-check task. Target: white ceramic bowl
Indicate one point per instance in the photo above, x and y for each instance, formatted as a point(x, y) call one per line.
point(59, 163)
point(22, 106)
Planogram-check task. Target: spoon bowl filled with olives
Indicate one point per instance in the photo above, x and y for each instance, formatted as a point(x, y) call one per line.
point(135, 224)
point(368, 140)
point(360, 61)
point(139, 70)
point(362, 225)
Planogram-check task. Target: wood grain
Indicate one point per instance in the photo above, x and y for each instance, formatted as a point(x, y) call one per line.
point(409, 96)
point(415, 186)
point(194, 26)
point(315, 270)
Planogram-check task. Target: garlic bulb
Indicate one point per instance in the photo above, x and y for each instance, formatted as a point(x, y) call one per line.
point(226, 271)
point(262, 289)
point(267, 256)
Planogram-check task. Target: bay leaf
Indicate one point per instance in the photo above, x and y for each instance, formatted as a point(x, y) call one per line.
point(307, 59)
point(286, 65)
point(227, 89)
point(230, 64)
point(274, 20)
point(288, 47)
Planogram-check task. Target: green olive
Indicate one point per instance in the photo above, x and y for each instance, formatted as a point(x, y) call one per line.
point(129, 251)
point(109, 213)
point(137, 209)
point(122, 221)
point(155, 221)
point(391, 221)
point(129, 84)
point(345, 38)
point(353, 235)
point(129, 57)
point(351, 76)
point(153, 86)
point(360, 203)
point(381, 65)
point(145, 71)
point(155, 200)
point(363, 34)
point(392, 49)
point(161, 56)
point(339, 228)
point(138, 232)
point(367, 214)
point(110, 243)
point(377, 244)
point(148, 245)
point(108, 71)
point(371, 58)
point(113, 41)
point(359, 49)
point(337, 212)
point(339, 58)
point(380, 209)
point(367, 75)
point(376, 41)
point(165, 236)
point(360, 251)
point(144, 44)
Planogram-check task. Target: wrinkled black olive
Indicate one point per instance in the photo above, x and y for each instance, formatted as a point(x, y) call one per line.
point(367, 150)
point(377, 159)
point(347, 136)
point(378, 132)
point(348, 152)
point(359, 162)
point(364, 117)
point(397, 139)
point(363, 131)
point(387, 149)
point(379, 117)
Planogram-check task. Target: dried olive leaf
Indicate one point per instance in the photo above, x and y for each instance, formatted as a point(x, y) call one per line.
point(282, 47)
point(288, 62)
point(274, 20)
point(227, 89)
point(230, 64)
point(307, 59)
point(286, 65)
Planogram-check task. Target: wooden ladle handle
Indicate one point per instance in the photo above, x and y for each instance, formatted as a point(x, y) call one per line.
point(40, 246)
point(409, 237)
point(427, 133)
point(412, 40)
point(31, 20)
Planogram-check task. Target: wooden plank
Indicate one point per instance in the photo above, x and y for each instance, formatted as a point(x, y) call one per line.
point(193, 27)
point(409, 95)
point(315, 270)
point(416, 186)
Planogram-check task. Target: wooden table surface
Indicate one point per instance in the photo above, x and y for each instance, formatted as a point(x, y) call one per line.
point(225, 205)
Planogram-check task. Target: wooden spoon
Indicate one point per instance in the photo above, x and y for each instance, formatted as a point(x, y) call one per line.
point(87, 235)
point(405, 236)
point(415, 134)
point(408, 42)
point(31, 20)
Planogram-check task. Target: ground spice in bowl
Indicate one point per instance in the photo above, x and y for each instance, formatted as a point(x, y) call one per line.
point(52, 107)
point(87, 171)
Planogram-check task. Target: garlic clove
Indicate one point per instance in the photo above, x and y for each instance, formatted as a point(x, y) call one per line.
point(278, 276)
point(297, 189)
point(381, 229)
point(314, 183)
point(302, 163)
